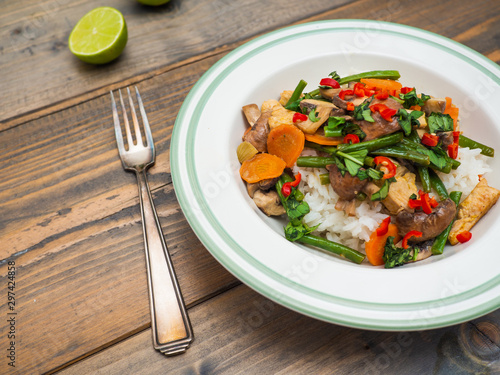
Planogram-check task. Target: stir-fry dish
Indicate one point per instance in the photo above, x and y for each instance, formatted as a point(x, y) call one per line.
point(366, 168)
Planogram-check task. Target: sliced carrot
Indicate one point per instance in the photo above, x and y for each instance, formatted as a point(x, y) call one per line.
point(374, 248)
point(322, 140)
point(451, 110)
point(261, 167)
point(287, 142)
point(383, 84)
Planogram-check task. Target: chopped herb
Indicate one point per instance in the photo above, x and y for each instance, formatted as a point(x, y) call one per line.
point(334, 122)
point(351, 128)
point(408, 120)
point(397, 256)
point(295, 231)
point(312, 116)
point(410, 99)
point(439, 122)
point(363, 112)
point(384, 190)
point(334, 75)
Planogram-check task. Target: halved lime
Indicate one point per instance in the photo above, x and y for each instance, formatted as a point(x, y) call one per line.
point(100, 36)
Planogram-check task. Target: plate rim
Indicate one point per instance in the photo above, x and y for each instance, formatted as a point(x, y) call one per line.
point(231, 265)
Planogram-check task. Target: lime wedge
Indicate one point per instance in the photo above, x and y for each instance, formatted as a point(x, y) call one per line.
point(99, 37)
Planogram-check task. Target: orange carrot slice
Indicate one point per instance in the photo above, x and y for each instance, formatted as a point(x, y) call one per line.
point(322, 140)
point(261, 167)
point(451, 110)
point(374, 248)
point(383, 84)
point(287, 142)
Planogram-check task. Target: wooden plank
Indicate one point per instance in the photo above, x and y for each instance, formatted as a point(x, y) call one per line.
point(70, 221)
point(34, 40)
point(241, 332)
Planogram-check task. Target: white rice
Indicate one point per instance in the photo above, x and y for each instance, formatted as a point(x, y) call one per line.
point(354, 231)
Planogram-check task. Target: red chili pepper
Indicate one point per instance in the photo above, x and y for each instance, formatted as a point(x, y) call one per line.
point(286, 189)
point(414, 203)
point(377, 107)
point(353, 138)
point(453, 150)
point(464, 236)
point(384, 226)
point(412, 233)
point(456, 137)
point(430, 140)
point(388, 113)
point(434, 202)
point(343, 93)
point(350, 106)
point(329, 82)
point(299, 117)
point(426, 203)
point(359, 90)
point(388, 164)
point(381, 95)
point(406, 90)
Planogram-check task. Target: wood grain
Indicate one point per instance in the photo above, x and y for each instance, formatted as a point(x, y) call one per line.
point(241, 332)
point(34, 39)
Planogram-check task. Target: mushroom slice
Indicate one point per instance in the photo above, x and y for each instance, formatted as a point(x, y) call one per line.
point(473, 208)
point(329, 93)
point(269, 202)
point(346, 186)
point(429, 224)
point(251, 112)
point(257, 135)
point(322, 109)
point(434, 105)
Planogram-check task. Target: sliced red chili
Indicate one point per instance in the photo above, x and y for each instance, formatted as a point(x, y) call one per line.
point(410, 234)
point(414, 203)
point(406, 90)
point(456, 137)
point(329, 82)
point(388, 113)
point(426, 203)
point(388, 164)
point(350, 106)
point(381, 95)
point(359, 90)
point(464, 236)
point(434, 202)
point(286, 189)
point(453, 150)
point(377, 107)
point(430, 140)
point(384, 226)
point(343, 93)
point(299, 117)
point(352, 138)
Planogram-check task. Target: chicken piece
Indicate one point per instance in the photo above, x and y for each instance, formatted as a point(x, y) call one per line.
point(349, 207)
point(285, 97)
point(269, 202)
point(279, 114)
point(473, 208)
point(399, 191)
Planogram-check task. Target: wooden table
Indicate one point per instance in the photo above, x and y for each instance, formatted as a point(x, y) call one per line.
point(69, 214)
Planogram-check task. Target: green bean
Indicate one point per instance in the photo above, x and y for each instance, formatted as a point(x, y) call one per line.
point(333, 132)
point(315, 146)
point(438, 185)
point(297, 92)
point(440, 241)
point(373, 144)
point(403, 153)
point(314, 161)
point(463, 141)
point(381, 74)
point(423, 173)
point(324, 178)
point(333, 247)
point(418, 147)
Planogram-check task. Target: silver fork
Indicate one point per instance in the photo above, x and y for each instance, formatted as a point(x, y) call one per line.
point(172, 333)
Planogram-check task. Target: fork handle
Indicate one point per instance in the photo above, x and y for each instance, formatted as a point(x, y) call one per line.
point(172, 333)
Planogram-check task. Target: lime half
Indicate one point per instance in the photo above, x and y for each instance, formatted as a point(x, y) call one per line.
point(100, 36)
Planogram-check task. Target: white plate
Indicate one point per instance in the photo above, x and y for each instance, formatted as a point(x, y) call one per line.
point(462, 284)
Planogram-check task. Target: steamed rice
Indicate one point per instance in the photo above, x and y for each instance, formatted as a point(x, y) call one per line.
point(354, 231)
